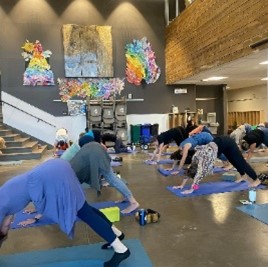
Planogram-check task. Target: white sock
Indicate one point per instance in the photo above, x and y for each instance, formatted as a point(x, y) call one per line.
point(116, 231)
point(118, 246)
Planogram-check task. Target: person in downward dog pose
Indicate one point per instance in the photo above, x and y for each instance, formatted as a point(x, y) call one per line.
point(201, 166)
point(56, 193)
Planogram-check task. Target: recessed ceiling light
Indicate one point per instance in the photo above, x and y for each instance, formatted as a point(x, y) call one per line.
point(264, 63)
point(265, 79)
point(214, 79)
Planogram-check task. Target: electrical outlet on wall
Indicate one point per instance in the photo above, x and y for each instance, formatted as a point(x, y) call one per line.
point(180, 91)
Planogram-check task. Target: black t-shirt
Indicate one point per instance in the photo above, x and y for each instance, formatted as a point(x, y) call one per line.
point(177, 134)
point(255, 136)
point(107, 137)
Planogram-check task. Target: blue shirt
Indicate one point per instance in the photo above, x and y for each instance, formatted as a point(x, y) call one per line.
point(52, 187)
point(199, 139)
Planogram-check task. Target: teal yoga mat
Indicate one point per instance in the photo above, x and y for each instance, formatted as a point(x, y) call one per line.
point(257, 211)
point(78, 256)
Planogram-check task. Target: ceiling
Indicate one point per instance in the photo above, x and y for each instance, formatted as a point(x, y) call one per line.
point(241, 73)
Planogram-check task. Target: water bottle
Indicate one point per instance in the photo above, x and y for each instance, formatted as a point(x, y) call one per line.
point(142, 216)
point(252, 194)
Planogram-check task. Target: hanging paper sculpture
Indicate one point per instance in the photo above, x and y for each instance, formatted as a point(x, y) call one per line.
point(95, 88)
point(141, 65)
point(38, 70)
point(87, 51)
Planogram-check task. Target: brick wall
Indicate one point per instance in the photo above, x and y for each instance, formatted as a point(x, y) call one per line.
point(210, 33)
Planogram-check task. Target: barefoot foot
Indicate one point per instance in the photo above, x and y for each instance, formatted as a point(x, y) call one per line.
point(241, 179)
point(133, 206)
point(255, 183)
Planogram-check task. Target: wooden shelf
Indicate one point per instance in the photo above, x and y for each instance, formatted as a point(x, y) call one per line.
point(237, 118)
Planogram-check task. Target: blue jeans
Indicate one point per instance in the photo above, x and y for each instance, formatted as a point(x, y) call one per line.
point(117, 183)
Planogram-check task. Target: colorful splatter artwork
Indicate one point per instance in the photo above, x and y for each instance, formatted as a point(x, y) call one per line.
point(141, 63)
point(94, 88)
point(38, 70)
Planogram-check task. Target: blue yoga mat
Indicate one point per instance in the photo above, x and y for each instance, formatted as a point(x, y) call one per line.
point(218, 170)
point(213, 188)
point(257, 211)
point(77, 256)
point(162, 161)
point(168, 172)
point(20, 216)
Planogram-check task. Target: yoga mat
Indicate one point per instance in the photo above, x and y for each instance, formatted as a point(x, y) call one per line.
point(20, 216)
point(77, 256)
point(218, 170)
point(213, 188)
point(162, 161)
point(257, 211)
point(258, 159)
point(116, 163)
point(169, 173)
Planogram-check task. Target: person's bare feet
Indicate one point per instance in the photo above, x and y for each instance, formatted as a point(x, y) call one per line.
point(228, 167)
point(133, 206)
point(255, 183)
point(241, 179)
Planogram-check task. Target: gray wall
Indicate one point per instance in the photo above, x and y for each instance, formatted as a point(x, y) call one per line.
point(43, 21)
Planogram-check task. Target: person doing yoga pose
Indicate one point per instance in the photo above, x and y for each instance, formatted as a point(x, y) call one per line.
point(225, 146)
point(161, 141)
point(201, 166)
point(56, 193)
point(190, 143)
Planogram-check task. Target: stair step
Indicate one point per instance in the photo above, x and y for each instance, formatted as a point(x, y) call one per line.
point(12, 137)
point(29, 147)
point(18, 142)
point(35, 154)
point(4, 132)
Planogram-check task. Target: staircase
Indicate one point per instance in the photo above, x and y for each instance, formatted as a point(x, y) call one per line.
point(19, 146)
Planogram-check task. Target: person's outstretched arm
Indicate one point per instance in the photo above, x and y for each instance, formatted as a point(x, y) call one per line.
point(184, 154)
point(157, 152)
point(181, 186)
point(250, 152)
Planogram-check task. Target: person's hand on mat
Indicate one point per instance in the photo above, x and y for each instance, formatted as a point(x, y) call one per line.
point(27, 222)
point(29, 210)
point(152, 162)
point(169, 169)
point(189, 191)
point(177, 187)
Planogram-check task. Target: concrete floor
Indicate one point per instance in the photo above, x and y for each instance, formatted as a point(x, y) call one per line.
point(203, 231)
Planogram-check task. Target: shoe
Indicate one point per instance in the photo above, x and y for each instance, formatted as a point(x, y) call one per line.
point(108, 245)
point(117, 159)
point(116, 259)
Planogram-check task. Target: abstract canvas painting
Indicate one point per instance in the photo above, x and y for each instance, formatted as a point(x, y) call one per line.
point(87, 51)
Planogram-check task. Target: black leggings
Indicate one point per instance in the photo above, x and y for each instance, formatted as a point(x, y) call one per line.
point(228, 147)
point(97, 221)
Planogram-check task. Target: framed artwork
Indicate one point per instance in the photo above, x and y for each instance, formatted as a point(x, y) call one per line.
point(87, 51)
point(37, 68)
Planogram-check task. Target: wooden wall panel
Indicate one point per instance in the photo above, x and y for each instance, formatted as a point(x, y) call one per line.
point(210, 33)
